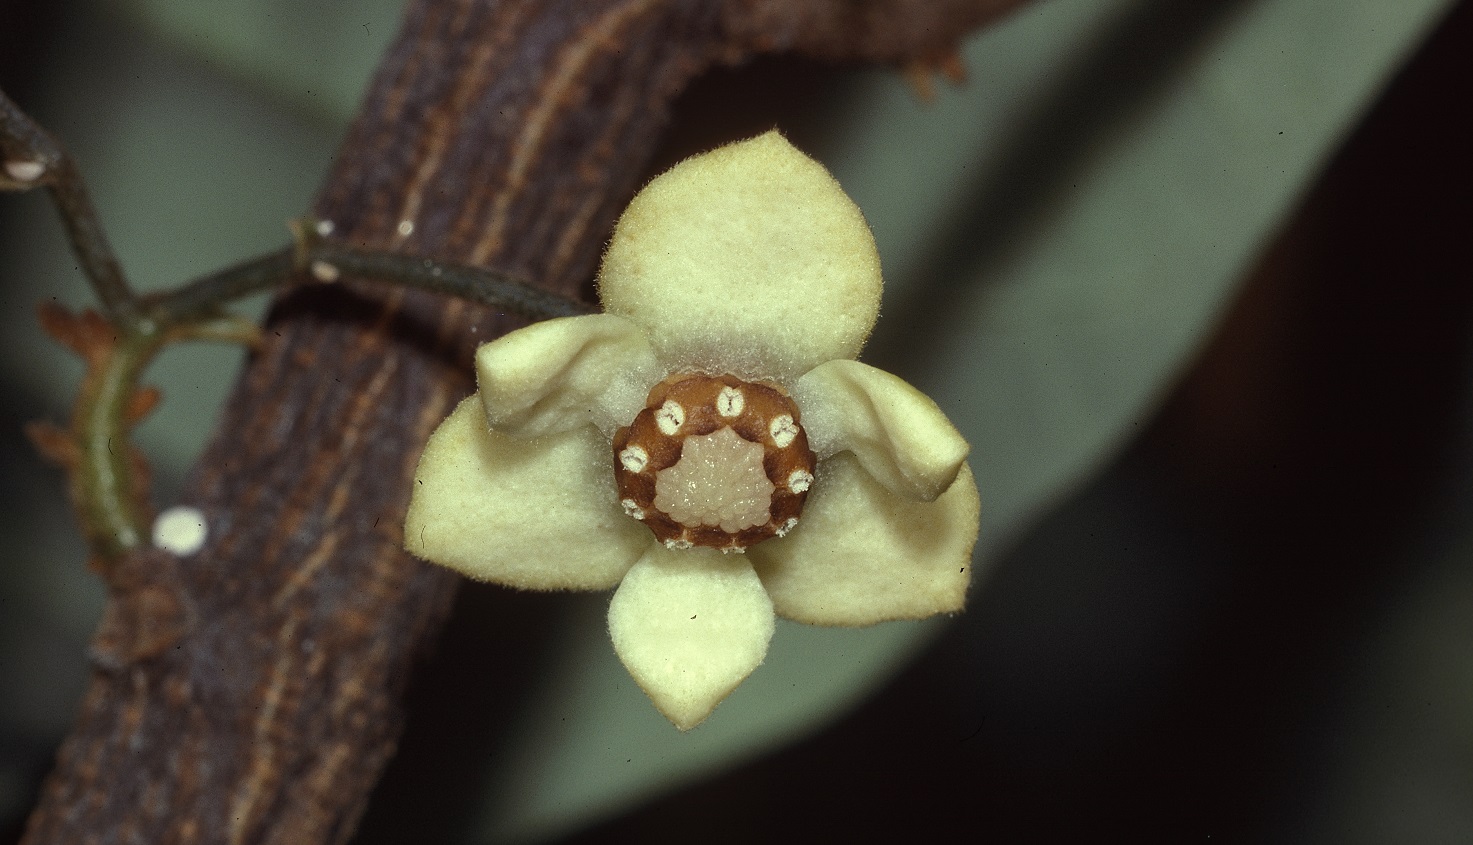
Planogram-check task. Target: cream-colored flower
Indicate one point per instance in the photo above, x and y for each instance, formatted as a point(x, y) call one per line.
point(715, 407)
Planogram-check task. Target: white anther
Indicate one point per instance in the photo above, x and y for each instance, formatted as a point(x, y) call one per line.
point(782, 530)
point(670, 417)
point(633, 509)
point(677, 544)
point(325, 227)
point(406, 228)
point(25, 171)
point(800, 480)
point(741, 550)
point(783, 430)
point(634, 459)
point(324, 272)
point(730, 402)
point(180, 530)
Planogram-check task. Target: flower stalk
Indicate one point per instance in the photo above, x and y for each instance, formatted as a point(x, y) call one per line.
point(108, 476)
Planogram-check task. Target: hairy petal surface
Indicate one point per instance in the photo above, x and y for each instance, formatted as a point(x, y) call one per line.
point(690, 625)
point(862, 554)
point(537, 514)
point(749, 259)
point(899, 435)
point(563, 374)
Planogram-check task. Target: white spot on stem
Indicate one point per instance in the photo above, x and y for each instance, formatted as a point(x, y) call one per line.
point(25, 171)
point(324, 272)
point(181, 530)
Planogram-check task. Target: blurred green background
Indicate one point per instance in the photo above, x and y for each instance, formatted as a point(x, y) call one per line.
point(1189, 277)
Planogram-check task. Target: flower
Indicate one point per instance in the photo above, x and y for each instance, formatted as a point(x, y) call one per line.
point(714, 407)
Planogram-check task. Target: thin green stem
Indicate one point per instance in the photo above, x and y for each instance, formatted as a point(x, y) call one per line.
point(106, 478)
point(202, 298)
point(106, 485)
point(327, 261)
point(30, 157)
point(476, 284)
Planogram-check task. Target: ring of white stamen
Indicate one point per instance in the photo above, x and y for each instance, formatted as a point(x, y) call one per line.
point(634, 459)
point(782, 530)
point(670, 417)
point(730, 402)
point(633, 509)
point(702, 478)
point(783, 430)
point(800, 480)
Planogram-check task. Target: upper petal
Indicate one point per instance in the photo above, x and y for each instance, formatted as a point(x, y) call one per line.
point(749, 259)
point(565, 373)
point(690, 625)
point(896, 431)
point(537, 514)
point(862, 554)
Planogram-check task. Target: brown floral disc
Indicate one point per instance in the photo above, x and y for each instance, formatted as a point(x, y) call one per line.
point(714, 461)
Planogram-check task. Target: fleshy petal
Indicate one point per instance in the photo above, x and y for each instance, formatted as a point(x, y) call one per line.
point(562, 374)
point(896, 431)
point(749, 259)
point(537, 514)
point(862, 554)
point(690, 625)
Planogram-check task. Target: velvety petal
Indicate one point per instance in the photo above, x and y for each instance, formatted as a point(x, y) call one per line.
point(690, 625)
point(537, 514)
point(749, 259)
point(861, 554)
point(562, 374)
point(896, 431)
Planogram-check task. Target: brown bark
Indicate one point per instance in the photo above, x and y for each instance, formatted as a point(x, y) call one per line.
point(251, 692)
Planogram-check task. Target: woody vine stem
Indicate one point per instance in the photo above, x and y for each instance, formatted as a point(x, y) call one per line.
point(108, 478)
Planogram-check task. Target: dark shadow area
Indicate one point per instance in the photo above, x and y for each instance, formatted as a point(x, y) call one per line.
point(1160, 659)
point(461, 703)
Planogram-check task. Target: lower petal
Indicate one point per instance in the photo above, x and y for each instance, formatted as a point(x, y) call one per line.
point(690, 624)
point(536, 514)
point(862, 554)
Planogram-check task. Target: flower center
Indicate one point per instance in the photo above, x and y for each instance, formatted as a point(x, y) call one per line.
point(714, 461)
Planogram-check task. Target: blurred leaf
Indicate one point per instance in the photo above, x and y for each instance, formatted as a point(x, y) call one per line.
point(314, 55)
